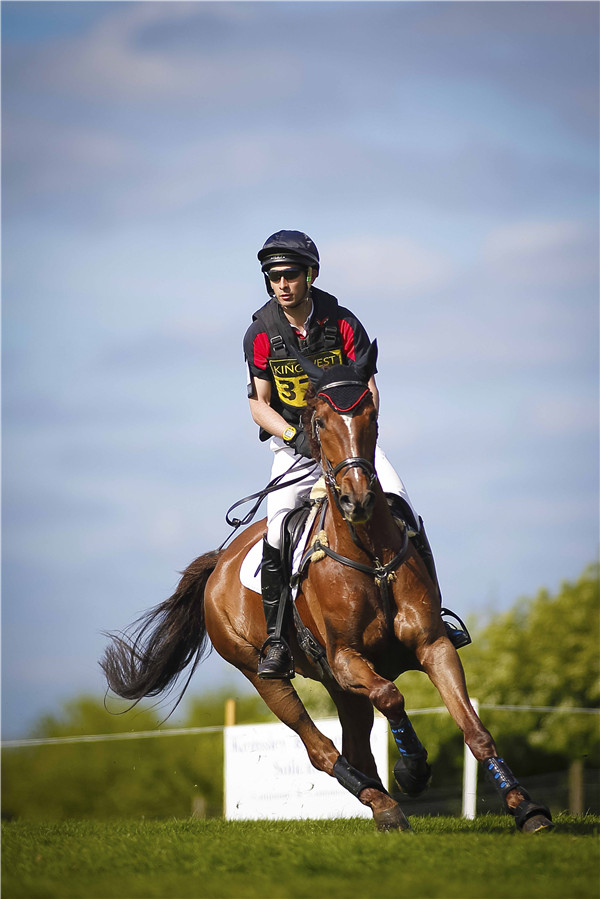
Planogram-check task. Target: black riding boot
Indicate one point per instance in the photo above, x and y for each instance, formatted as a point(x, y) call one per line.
point(458, 635)
point(275, 660)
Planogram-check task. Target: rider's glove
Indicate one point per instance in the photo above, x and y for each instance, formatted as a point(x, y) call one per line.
point(301, 444)
point(298, 440)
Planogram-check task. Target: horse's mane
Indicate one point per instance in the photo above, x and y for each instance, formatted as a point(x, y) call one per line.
point(307, 413)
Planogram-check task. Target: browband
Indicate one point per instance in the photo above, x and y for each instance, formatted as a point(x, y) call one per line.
point(347, 383)
point(346, 400)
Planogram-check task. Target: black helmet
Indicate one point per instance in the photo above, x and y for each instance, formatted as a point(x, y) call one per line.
point(288, 246)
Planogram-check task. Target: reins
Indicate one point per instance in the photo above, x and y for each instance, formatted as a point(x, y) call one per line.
point(273, 485)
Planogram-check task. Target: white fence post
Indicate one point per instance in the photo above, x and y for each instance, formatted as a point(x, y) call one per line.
point(469, 803)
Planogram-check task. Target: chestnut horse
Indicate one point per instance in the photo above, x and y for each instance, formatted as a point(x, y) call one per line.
point(369, 602)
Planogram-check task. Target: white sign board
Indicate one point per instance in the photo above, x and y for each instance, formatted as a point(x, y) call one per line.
point(268, 773)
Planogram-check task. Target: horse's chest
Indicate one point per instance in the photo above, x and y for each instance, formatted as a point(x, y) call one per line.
point(362, 623)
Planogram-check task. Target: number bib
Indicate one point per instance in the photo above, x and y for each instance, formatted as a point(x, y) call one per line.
point(290, 381)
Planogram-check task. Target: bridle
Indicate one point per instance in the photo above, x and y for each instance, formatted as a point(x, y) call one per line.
point(329, 471)
point(382, 574)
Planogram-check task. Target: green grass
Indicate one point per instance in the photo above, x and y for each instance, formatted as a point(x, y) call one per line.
point(444, 857)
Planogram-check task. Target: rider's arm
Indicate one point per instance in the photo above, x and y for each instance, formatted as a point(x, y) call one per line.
point(261, 410)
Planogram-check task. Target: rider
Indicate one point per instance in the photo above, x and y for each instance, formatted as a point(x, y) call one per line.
point(310, 320)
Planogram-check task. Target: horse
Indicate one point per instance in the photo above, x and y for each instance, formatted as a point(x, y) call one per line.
point(365, 596)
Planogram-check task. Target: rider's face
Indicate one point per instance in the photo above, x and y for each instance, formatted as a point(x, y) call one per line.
point(289, 292)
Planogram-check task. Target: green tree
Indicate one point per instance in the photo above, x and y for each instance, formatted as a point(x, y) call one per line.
point(156, 777)
point(544, 652)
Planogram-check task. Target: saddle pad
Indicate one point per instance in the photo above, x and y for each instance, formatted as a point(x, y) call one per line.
point(250, 568)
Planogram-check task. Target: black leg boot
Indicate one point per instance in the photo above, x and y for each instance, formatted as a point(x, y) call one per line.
point(275, 660)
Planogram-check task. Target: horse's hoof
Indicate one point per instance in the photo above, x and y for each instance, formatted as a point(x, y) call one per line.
point(532, 818)
point(412, 774)
point(392, 819)
point(537, 824)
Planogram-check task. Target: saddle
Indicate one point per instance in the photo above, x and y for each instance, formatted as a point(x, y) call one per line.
point(294, 535)
point(295, 531)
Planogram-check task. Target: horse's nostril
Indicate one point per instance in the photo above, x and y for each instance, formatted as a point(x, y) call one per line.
point(369, 501)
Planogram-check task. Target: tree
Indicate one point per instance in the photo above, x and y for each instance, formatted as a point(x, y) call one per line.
point(545, 652)
point(153, 778)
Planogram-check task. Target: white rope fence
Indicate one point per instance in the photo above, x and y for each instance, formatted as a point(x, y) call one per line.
point(190, 731)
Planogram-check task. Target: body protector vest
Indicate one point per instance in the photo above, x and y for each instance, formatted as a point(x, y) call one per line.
point(323, 345)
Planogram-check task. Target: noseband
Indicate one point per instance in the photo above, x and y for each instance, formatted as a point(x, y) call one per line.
point(330, 473)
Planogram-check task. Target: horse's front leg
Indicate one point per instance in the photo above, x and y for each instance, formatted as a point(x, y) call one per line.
point(441, 663)
point(412, 771)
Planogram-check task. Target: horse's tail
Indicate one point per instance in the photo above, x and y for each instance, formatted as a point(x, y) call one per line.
point(149, 657)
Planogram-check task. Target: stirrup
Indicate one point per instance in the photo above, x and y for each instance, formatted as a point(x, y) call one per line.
point(275, 669)
point(458, 636)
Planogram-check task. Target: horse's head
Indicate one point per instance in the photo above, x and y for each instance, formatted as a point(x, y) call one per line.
point(343, 419)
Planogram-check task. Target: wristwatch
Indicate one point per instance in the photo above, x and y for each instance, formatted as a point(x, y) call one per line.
point(289, 434)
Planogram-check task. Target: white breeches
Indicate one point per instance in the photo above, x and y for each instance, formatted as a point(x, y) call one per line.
point(280, 502)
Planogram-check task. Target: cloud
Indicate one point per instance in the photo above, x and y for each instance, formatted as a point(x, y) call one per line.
point(393, 263)
point(553, 252)
point(148, 52)
point(562, 414)
point(436, 152)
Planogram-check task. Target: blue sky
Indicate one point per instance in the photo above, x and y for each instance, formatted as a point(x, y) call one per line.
point(443, 156)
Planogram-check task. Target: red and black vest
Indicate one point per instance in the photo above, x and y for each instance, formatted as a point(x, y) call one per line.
point(323, 345)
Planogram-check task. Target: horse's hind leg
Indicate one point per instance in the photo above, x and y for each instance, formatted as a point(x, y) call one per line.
point(285, 703)
point(441, 663)
point(356, 717)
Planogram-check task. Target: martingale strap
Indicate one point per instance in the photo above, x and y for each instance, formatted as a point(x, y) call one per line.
point(382, 574)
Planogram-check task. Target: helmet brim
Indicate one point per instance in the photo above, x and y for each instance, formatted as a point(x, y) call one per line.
point(284, 258)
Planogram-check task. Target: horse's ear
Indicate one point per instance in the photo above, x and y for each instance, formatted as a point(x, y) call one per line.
point(367, 364)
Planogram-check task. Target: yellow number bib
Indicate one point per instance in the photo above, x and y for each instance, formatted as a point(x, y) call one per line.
point(290, 381)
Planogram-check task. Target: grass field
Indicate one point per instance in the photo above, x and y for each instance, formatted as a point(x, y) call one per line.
point(444, 857)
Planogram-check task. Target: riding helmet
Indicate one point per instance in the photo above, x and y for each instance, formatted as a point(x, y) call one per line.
point(288, 246)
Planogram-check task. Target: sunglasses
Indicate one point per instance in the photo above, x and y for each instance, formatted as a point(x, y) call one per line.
point(290, 274)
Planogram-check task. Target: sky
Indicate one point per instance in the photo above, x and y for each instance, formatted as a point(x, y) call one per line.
point(444, 158)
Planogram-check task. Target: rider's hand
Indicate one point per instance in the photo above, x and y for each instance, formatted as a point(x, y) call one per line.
point(302, 444)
